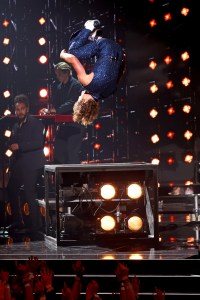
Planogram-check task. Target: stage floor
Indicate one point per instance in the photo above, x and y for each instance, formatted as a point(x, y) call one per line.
point(176, 242)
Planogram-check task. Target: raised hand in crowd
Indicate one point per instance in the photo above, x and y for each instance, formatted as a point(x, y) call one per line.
point(127, 291)
point(135, 282)
point(159, 294)
point(47, 280)
point(92, 290)
point(4, 291)
point(4, 285)
point(66, 293)
point(39, 288)
point(79, 270)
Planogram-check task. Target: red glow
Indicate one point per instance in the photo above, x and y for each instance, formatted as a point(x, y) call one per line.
point(152, 23)
point(97, 146)
point(170, 161)
point(170, 134)
point(97, 126)
point(167, 17)
point(171, 110)
point(6, 23)
point(172, 239)
point(169, 84)
point(168, 60)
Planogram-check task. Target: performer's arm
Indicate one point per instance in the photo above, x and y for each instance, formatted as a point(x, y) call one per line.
point(83, 77)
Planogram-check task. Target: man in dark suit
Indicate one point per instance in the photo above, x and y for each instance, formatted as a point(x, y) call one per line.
point(69, 135)
point(27, 163)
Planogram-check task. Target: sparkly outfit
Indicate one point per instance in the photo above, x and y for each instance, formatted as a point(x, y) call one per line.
point(106, 67)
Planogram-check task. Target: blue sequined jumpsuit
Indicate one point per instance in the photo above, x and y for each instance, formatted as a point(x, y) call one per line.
point(108, 55)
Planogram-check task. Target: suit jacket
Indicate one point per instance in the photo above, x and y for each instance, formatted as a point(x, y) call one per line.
point(30, 138)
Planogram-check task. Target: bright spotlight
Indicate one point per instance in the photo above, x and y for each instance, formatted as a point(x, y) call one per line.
point(108, 223)
point(134, 191)
point(42, 59)
point(107, 191)
point(8, 153)
point(7, 133)
point(135, 223)
point(43, 93)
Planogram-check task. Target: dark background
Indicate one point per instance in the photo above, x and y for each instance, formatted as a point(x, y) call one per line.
point(125, 124)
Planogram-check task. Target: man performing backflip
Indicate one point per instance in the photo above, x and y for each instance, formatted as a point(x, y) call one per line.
point(105, 74)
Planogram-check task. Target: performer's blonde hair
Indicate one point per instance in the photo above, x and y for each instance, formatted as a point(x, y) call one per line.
point(85, 111)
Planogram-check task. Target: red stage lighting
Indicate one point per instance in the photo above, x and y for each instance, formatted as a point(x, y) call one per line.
point(97, 146)
point(5, 23)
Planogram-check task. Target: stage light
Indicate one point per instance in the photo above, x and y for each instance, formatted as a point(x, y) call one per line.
point(170, 161)
point(186, 81)
point(168, 60)
point(171, 134)
point(134, 191)
point(185, 11)
point(6, 60)
point(167, 17)
point(107, 191)
point(153, 113)
point(42, 59)
point(42, 21)
point(135, 223)
point(97, 126)
point(7, 112)
point(8, 153)
point(136, 256)
point(169, 84)
point(152, 65)
point(97, 146)
point(153, 88)
point(185, 55)
point(7, 133)
point(155, 161)
point(120, 41)
point(43, 93)
point(6, 41)
point(108, 257)
point(153, 23)
point(187, 108)
point(46, 151)
point(171, 110)
point(5, 23)
point(189, 182)
point(155, 138)
point(108, 223)
point(188, 135)
point(105, 216)
point(42, 41)
point(188, 158)
point(188, 218)
point(6, 94)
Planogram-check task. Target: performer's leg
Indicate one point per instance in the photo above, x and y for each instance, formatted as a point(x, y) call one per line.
point(14, 184)
point(30, 184)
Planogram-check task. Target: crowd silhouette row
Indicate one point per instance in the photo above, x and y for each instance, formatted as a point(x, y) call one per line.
point(34, 279)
